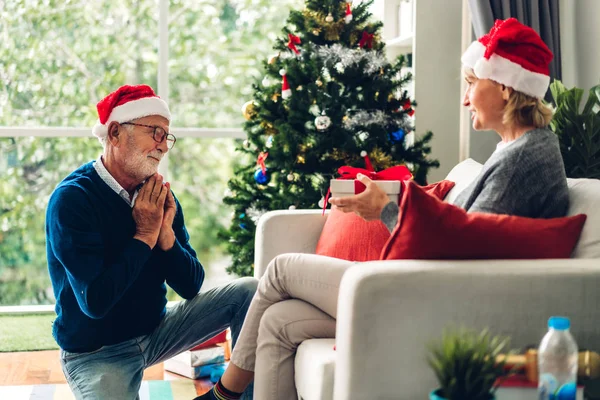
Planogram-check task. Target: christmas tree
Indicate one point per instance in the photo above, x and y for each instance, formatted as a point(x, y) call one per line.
point(329, 97)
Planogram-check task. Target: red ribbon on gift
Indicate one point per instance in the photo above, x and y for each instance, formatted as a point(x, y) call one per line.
point(366, 40)
point(261, 161)
point(397, 173)
point(292, 42)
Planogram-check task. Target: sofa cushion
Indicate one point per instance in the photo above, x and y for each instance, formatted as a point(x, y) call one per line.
point(429, 228)
point(349, 237)
point(462, 175)
point(314, 369)
point(584, 198)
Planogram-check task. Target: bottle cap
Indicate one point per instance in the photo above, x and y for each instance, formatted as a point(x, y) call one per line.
point(559, 323)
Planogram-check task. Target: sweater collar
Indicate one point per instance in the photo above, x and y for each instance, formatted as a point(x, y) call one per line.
point(112, 182)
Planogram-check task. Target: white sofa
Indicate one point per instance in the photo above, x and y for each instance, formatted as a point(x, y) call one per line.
point(389, 310)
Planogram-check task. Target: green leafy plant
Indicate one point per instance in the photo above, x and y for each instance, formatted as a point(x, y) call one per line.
point(466, 363)
point(578, 131)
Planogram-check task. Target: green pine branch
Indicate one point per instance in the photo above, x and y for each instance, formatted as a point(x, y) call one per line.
point(358, 89)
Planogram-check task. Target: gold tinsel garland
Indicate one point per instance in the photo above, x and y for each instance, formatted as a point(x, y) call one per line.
point(332, 29)
point(380, 159)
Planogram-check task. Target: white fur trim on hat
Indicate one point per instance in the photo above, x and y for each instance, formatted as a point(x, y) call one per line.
point(504, 71)
point(134, 109)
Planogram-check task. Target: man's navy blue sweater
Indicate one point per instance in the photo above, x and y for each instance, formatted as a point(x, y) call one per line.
point(109, 287)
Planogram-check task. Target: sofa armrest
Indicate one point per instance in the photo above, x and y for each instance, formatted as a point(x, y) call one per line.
point(390, 310)
point(279, 232)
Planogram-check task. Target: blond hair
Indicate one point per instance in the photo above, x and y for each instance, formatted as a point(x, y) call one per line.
point(525, 110)
point(521, 109)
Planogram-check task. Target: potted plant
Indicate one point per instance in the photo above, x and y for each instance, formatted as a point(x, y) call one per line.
point(467, 364)
point(578, 129)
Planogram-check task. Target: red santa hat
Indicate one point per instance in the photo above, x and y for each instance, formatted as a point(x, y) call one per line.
point(348, 16)
point(511, 54)
point(126, 104)
point(286, 92)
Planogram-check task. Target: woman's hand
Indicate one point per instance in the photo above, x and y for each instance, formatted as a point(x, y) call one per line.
point(368, 204)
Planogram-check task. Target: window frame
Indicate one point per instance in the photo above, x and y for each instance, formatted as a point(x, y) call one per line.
point(163, 92)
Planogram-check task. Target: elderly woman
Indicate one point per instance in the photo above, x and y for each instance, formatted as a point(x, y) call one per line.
point(507, 75)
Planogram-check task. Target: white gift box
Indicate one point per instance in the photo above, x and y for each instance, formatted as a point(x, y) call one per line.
point(351, 187)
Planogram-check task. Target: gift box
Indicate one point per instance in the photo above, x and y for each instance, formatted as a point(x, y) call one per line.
point(351, 187)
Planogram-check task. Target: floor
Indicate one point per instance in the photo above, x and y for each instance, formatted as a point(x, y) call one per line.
point(43, 367)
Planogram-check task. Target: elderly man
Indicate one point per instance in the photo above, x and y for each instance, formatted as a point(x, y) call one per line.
point(115, 235)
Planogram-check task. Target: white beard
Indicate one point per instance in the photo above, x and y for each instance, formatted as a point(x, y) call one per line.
point(139, 165)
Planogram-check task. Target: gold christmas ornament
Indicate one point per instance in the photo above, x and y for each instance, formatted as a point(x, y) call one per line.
point(249, 110)
point(316, 31)
point(299, 88)
point(275, 96)
point(329, 18)
point(273, 58)
point(300, 160)
point(319, 83)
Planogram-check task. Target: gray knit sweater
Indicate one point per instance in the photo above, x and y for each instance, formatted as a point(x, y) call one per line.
point(526, 178)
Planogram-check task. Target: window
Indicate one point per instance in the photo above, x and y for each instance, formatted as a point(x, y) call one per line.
point(58, 58)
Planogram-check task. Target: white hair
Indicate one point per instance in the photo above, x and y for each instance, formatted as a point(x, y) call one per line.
point(104, 139)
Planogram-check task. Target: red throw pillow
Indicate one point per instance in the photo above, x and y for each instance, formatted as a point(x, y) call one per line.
point(431, 229)
point(349, 237)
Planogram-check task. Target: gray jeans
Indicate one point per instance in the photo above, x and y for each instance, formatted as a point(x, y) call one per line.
point(115, 371)
point(296, 300)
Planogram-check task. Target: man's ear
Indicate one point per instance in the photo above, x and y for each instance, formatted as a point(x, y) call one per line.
point(113, 133)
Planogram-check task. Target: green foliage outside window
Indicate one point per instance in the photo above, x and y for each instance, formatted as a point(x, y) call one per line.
point(58, 58)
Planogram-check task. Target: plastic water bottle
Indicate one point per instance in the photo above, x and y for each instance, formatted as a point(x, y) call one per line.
point(557, 362)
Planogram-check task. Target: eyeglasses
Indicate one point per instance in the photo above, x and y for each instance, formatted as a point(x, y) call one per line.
point(159, 134)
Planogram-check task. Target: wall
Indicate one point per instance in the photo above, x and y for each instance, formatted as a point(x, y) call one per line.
point(587, 43)
point(580, 48)
point(437, 68)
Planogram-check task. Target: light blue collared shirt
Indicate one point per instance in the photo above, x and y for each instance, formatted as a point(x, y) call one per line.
point(112, 182)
